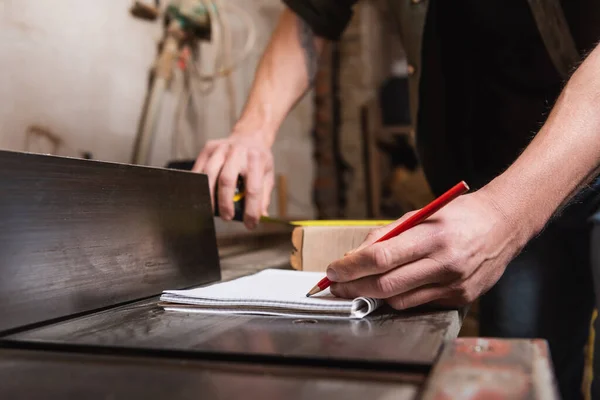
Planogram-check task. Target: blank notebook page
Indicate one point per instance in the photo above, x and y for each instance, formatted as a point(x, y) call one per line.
point(269, 292)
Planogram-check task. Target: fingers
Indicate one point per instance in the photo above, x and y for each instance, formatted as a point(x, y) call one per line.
point(382, 257)
point(395, 282)
point(204, 155)
point(213, 168)
point(224, 161)
point(456, 295)
point(234, 163)
point(254, 189)
point(417, 297)
point(268, 189)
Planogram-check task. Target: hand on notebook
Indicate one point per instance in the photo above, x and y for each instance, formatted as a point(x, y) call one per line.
point(450, 259)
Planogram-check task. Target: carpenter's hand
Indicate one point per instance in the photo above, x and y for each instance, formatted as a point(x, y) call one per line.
point(450, 259)
point(245, 155)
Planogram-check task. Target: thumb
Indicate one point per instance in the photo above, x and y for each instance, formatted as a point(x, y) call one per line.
point(377, 233)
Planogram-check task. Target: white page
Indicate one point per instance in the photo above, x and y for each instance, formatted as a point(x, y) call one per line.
point(271, 292)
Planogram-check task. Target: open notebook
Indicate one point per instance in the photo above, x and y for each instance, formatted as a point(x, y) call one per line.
point(269, 292)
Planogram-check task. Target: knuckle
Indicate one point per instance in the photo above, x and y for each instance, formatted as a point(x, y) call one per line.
point(455, 259)
point(381, 257)
point(443, 240)
point(463, 294)
point(212, 171)
point(342, 273)
point(374, 233)
point(455, 271)
point(254, 154)
point(384, 286)
point(226, 180)
point(253, 190)
point(214, 143)
point(453, 255)
point(268, 156)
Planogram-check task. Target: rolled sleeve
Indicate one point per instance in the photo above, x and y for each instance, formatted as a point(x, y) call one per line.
point(327, 18)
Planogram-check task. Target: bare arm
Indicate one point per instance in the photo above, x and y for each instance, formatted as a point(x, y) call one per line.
point(463, 249)
point(562, 158)
point(286, 70)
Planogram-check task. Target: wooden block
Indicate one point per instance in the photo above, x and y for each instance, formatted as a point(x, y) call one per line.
point(479, 368)
point(315, 247)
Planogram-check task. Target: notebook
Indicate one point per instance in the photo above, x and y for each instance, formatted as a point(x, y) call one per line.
point(269, 292)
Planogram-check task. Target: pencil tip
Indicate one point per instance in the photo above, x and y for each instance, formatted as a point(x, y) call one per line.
point(312, 291)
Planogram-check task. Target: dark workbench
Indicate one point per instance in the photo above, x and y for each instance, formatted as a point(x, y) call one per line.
point(53, 375)
point(86, 248)
point(140, 349)
point(145, 327)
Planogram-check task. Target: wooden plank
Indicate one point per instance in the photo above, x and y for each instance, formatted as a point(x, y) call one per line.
point(49, 375)
point(318, 246)
point(297, 243)
point(78, 235)
point(479, 368)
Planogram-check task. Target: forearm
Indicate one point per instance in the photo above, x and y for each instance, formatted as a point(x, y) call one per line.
point(286, 70)
point(562, 158)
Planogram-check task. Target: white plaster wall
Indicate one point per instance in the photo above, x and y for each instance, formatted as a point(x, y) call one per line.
point(76, 67)
point(79, 68)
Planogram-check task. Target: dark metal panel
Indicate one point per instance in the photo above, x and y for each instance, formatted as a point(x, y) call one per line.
point(77, 235)
point(47, 375)
point(403, 339)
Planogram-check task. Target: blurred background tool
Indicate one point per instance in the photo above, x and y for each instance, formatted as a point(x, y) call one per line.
point(186, 22)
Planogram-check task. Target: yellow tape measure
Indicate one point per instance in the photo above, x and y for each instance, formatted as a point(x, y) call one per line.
point(238, 197)
point(239, 212)
point(341, 222)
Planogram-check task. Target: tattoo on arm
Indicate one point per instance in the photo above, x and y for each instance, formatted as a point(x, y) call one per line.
point(307, 42)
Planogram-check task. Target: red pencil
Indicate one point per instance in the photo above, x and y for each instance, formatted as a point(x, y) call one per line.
point(416, 219)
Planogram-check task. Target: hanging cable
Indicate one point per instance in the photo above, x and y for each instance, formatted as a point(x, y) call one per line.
point(200, 83)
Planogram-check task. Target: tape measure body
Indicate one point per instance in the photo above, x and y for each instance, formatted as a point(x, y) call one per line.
point(239, 204)
point(239, 200)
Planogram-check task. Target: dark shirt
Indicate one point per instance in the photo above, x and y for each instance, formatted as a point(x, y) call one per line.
point(327, 18)
point(487, 81)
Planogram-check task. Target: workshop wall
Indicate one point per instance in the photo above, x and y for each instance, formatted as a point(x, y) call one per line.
point(78, 69)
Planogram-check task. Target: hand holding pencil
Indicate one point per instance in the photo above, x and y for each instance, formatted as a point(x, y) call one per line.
point(448, 256)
